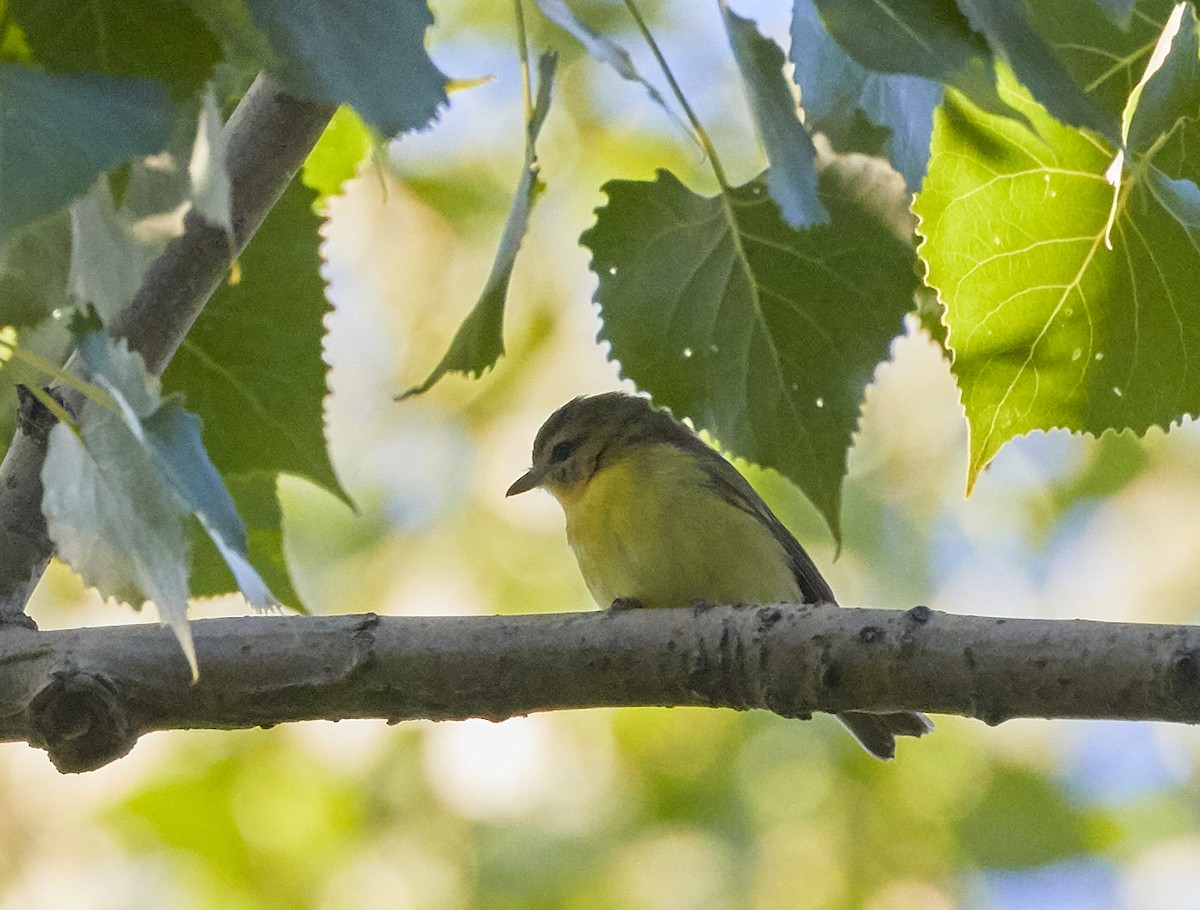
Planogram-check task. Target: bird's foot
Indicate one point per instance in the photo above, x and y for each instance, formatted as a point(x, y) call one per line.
point(626, 603)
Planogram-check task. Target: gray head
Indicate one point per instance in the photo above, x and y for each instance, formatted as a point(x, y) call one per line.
point(587, 433)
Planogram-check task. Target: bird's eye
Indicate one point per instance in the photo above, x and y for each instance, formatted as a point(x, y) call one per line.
point(562, 450)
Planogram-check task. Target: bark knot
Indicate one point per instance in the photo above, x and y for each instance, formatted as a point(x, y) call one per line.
point(80, 719)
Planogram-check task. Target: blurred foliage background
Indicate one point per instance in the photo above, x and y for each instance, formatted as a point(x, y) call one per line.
point(635, 809)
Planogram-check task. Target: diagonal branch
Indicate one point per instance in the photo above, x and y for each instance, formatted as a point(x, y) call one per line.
point(86, 695)
point(270, 134)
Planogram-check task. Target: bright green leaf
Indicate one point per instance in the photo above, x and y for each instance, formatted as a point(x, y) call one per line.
point(762, 335)
point(346, 141)
point(792, 177)
point(479, 341)
point(368, 55)
point(252, 363)
point(161, 40)
point(1049, 327)
point(57, 133)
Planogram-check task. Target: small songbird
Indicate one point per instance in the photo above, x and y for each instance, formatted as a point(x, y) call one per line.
point(657, 517)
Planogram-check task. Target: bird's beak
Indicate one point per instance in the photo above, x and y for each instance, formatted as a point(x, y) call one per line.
point(527, 481)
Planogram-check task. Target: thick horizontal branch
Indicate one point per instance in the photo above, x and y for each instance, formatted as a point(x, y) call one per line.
point(86, 695)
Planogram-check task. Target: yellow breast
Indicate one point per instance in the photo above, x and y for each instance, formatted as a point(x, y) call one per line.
point(650, 527)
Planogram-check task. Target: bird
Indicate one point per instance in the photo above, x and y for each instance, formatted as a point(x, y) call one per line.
point(658, 518)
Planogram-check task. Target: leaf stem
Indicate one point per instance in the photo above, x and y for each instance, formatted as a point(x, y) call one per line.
point(57, 374)
point(702, 136)
point(523, 50)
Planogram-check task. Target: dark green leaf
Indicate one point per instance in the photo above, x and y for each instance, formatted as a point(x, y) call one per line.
point(792, 177)
point(34, 265)
point(1181, 200)
point(762, 335)
point(1105, 60)
point(252, 364)
point(258, 505)
point(1022, 821)
point(1007, 27)
point(929, 38)
point(834, 87)
point(161, 40)
point(1048, 326)
point(173, 436)
point(57, 133)
point(369, 54)
point(245, 50)
point(479, 341)
point(1173, 91)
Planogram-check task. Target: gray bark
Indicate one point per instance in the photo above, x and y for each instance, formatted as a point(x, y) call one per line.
point(86, 695)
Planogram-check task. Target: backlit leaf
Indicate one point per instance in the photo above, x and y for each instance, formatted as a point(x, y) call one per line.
point(1048, 327)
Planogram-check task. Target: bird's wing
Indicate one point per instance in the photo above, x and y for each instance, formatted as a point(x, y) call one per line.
point(736, 490)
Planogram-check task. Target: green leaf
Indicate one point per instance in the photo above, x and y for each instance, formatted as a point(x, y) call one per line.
point(368, 55)
point(834, 90)
point(1104, 59)
point(1170, 90)
point(245, 50)
point(258, 505)
point(114, 519)
point(1023, 820)
point(762, 335)
point(211, 188)
point(173, 436)
point(792, 177)
point(1049, 327)
point(59, 132)
point(134, 472)
point(252, 363)
point(111, 250)
point(479, 341)
point(346, 141)
point(116, 236)
point(161, 40)
point(1007, 27)
point(1180, 198)
point(34, 265)
point(929, 38)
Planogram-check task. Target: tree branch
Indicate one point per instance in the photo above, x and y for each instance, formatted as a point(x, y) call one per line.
point(86, 695)
point(270, 134)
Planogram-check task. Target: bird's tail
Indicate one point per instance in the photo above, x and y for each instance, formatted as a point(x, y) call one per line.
point(877, 732)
